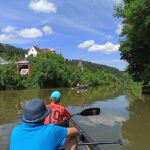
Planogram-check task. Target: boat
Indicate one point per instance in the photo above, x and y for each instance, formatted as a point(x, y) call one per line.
point(81, 86)
point(83, 137)
point(84, 140)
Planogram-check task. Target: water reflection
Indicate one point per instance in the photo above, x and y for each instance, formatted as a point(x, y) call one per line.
point(112, 112)
point(124, 116)
point(137, 128)
point(107, 126)
point(11, 101)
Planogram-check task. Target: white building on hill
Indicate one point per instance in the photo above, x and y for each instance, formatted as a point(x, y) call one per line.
point(34, 50)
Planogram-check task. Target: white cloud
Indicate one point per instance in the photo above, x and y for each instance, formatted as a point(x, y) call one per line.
point(43, 6)
point(8, 29)
point(4, 38)
point(86, 44)
point(119, 28)
point(30, 33)
point(107, 48)
point(47, 30)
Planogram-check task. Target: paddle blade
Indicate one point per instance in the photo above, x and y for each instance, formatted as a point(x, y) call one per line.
point(90, 112)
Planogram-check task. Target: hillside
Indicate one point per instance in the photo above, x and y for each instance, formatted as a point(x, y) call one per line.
point(52, 70)
point(95, 67)
point(9, 52)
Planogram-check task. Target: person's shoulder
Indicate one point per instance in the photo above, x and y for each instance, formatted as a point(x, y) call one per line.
point(47, 127)
point(62, 107)
point(58, 106)
point(50, 126)
point(48, 105)
point(54, 127)
point(57, 128)
point(17, 128)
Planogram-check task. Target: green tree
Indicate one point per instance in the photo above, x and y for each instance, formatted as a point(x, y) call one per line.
point(52, 70)
point(9, 52)
point(135, 39)
point(8, 78)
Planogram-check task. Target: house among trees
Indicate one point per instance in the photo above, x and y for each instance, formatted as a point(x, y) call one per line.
point(34, 50)
point(3, 61)
point(24, 67)
point(52, 50)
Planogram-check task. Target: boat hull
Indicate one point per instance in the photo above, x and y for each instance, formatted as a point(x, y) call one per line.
point(83, 137)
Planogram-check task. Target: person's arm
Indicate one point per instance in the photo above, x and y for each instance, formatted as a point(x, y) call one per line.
point(72, 131)
point(67, 114)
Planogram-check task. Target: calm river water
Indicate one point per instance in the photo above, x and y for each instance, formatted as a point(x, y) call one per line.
point(123, 114)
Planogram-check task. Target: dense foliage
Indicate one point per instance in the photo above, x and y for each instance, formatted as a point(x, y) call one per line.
point(9, 52)
point(130, 86)
point(135, 38)
point(52, 70)
point(98, 67)
point(8, 77)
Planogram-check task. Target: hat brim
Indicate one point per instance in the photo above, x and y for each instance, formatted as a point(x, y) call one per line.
point(47, 112)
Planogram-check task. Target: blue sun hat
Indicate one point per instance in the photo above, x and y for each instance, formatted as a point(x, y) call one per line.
point(55, 96)
point(35, 111)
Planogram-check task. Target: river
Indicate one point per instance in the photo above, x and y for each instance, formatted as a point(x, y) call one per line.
point(124, 115)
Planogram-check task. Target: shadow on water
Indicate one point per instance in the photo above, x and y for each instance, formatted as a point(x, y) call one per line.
point(123, 115)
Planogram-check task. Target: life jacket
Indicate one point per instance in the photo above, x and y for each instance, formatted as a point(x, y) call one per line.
point(57, 114)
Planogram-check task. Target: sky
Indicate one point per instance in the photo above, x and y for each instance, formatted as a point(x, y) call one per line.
point(78, 29)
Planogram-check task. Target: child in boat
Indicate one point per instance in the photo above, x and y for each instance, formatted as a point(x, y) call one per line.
point(59, 112)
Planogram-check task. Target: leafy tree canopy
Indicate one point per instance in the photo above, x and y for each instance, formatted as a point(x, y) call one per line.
point(10, 53)
point(53, 70)
point(135, 37)
point(98, 67)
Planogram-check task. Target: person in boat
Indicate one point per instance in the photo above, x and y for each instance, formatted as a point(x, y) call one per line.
point(59, 113)
point(32, 134)
point(81, 86)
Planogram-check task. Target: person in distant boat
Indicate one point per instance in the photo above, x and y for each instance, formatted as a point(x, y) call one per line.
point(78, 84)
point(32, 134)
point(59, 113)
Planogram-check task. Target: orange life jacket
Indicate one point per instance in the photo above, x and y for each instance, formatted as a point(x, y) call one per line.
point(57, 114)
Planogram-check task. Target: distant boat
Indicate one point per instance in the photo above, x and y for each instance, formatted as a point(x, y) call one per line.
point(81, 86)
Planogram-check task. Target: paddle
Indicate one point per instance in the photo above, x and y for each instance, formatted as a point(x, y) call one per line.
point(88, 112)
point(119, 141)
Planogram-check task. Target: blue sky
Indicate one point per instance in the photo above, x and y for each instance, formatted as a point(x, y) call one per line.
point(79, 29)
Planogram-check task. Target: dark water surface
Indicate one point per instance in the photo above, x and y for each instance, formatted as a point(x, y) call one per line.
point(123, 114)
